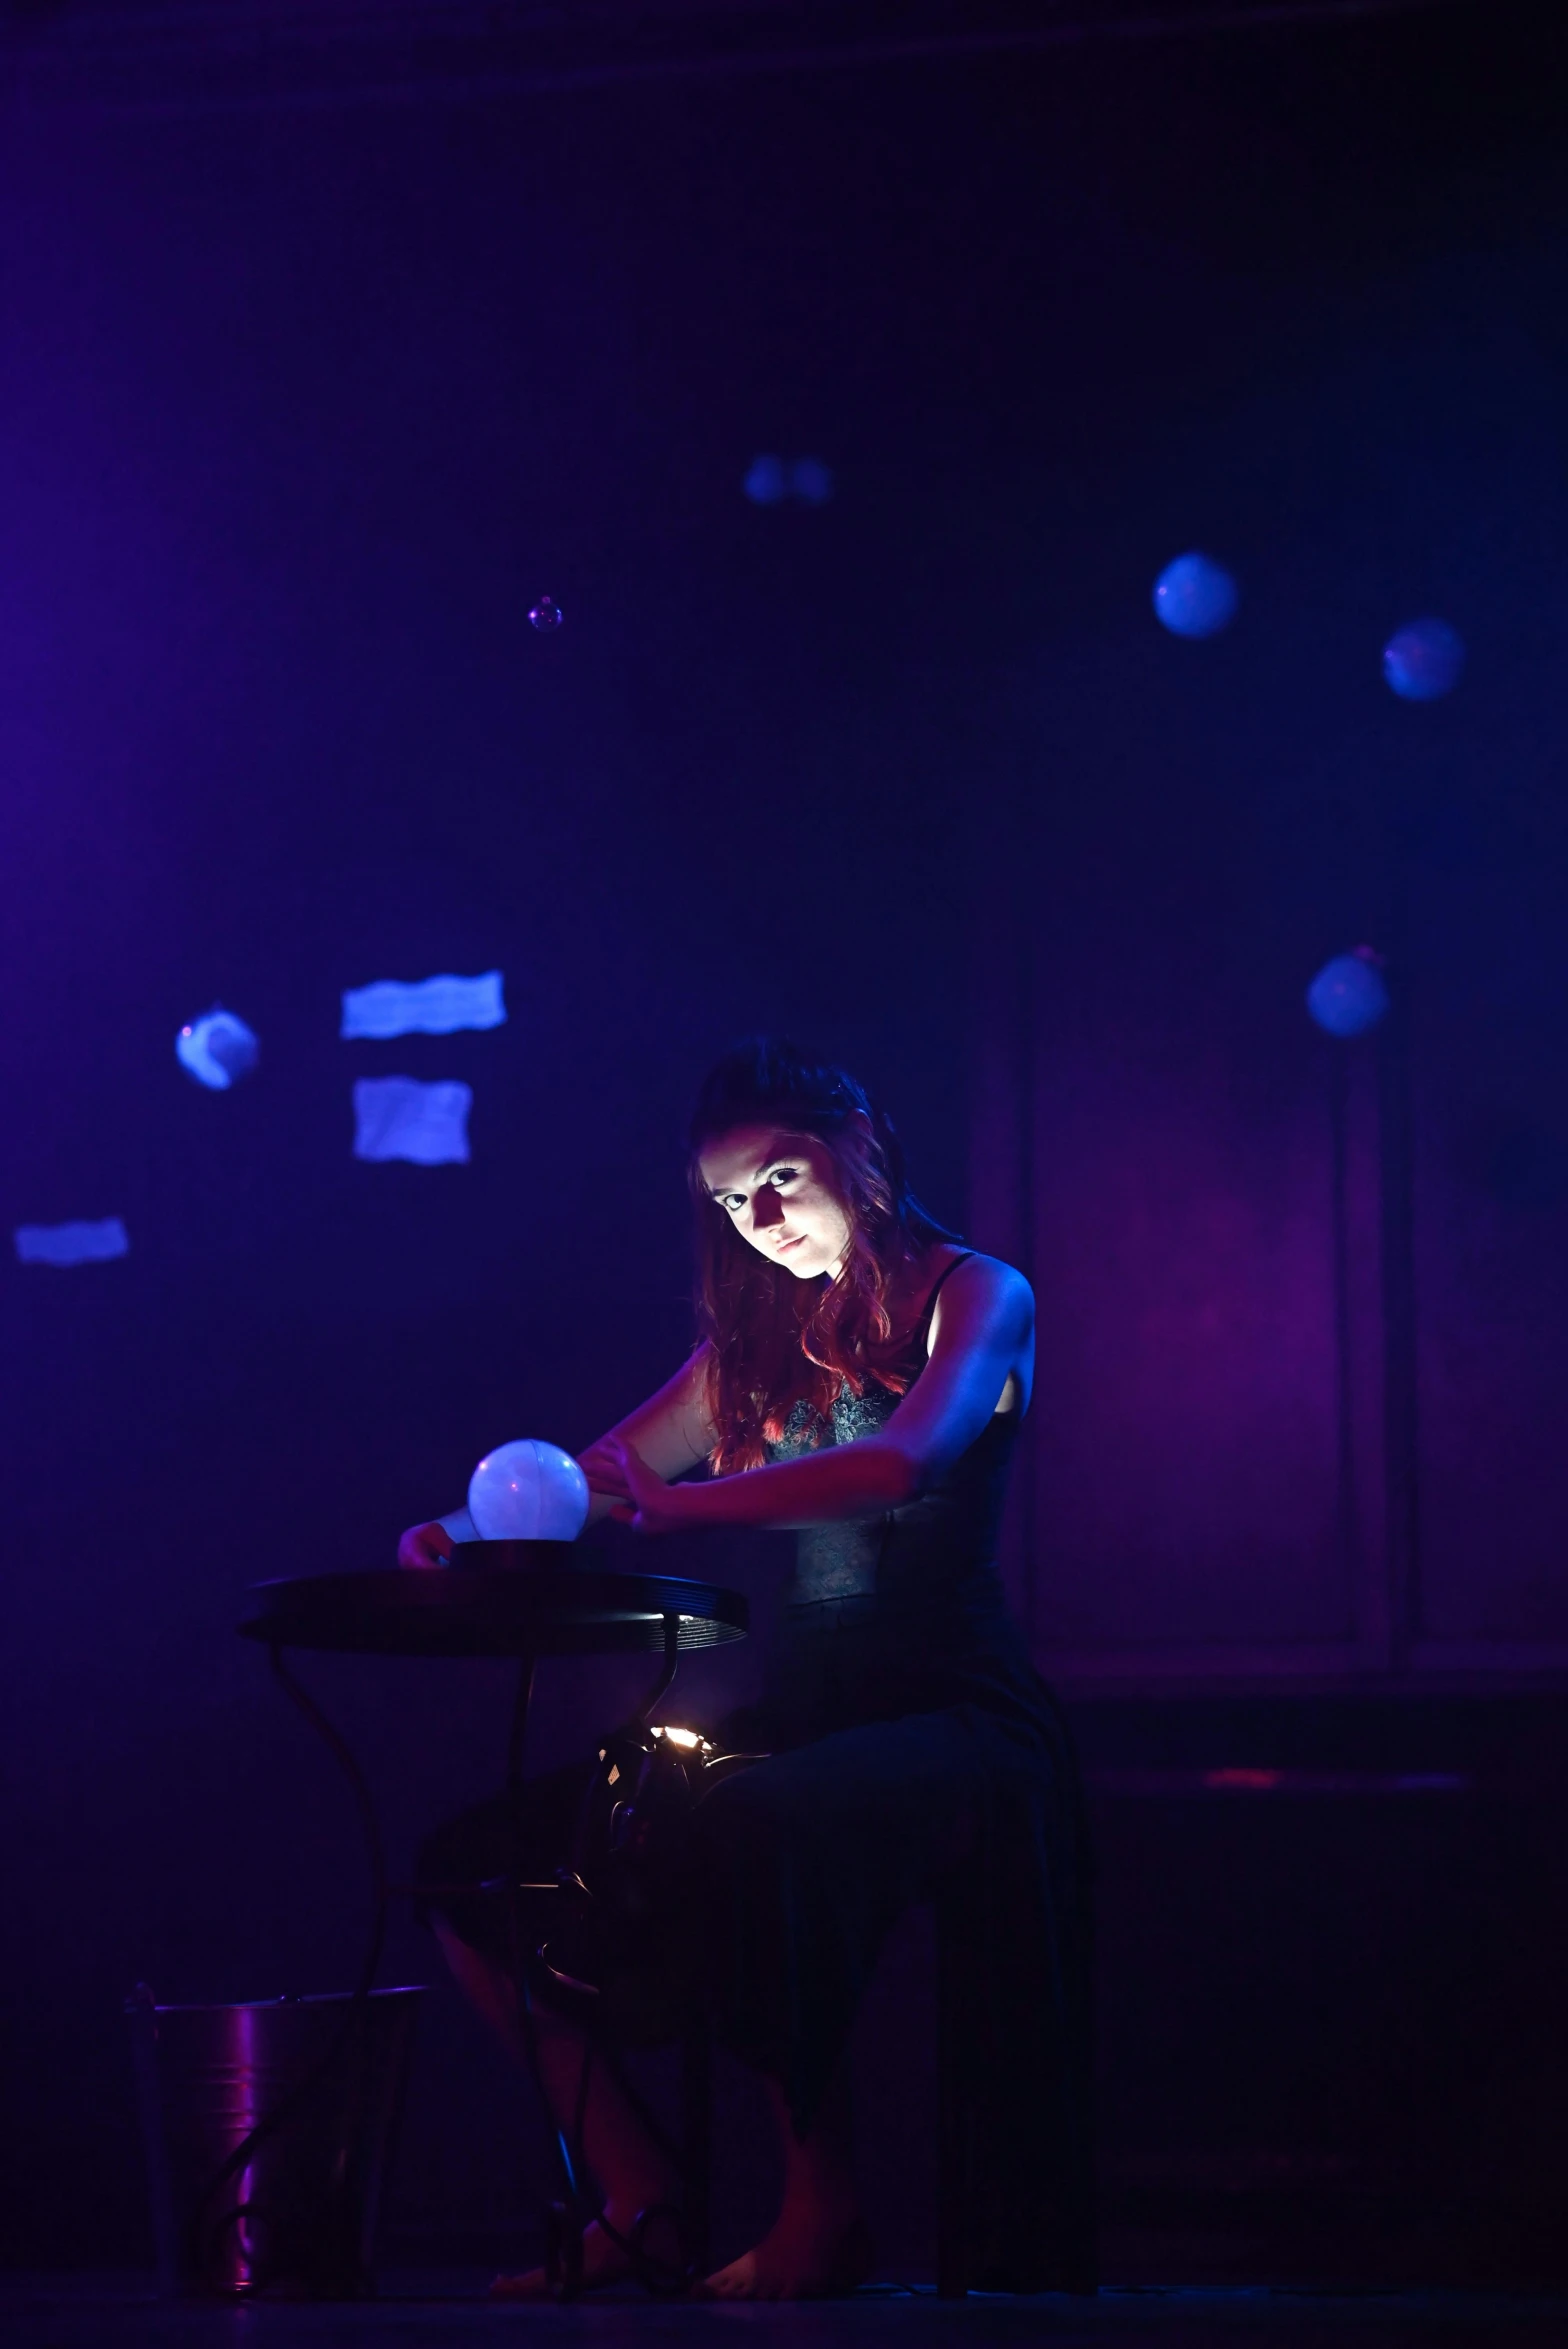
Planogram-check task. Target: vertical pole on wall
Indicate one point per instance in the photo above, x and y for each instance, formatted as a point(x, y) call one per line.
point(1023, 960)
point(1029, 1086)
point(1401, 1427)
point(1002, 882)
point(1347, 1524)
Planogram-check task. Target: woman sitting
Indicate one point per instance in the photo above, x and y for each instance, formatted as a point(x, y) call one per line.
point(861, 1377)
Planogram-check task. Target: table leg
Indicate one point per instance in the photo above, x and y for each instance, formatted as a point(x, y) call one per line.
point(566, 2213)
point(667, 1670)
point(518, 1738)
point(697, 2139)
point(954, 2115)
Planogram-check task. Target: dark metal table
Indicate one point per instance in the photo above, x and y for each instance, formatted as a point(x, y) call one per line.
point(503, 1599)
point(507, 1599)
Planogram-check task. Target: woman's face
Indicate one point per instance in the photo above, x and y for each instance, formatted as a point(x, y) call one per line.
point(778, 1190)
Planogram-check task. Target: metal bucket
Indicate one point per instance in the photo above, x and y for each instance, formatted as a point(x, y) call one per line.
point(268, 2129)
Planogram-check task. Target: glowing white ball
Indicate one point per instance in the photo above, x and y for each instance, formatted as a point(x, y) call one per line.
point(528, 1492)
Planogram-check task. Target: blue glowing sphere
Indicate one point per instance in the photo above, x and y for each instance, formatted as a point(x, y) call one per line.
point(810, 479)
point(546, 615)
point(217, 1050)
point(1194, 597)
point(528, 1491)
point(1349, 994)
point(767, 482)
point(1424, 660)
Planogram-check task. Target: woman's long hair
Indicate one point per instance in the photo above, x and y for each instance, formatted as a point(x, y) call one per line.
point(771, 1341)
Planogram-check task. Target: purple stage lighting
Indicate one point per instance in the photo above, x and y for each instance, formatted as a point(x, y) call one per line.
point(1349, 994)
point(1424, 660)
point(1194, 596)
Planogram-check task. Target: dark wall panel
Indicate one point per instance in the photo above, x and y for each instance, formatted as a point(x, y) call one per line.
point(1211, 1194)
point(1491, 1233)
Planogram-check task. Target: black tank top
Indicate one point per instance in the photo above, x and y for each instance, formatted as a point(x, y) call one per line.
point(925, 1551)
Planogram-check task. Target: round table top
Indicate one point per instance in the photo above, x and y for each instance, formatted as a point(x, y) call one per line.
point(502, 1599)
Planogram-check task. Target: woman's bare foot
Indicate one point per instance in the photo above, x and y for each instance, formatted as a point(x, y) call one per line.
point(807, 2256)
point(605, 2261)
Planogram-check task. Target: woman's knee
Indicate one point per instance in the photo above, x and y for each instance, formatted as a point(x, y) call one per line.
point(744, 1812)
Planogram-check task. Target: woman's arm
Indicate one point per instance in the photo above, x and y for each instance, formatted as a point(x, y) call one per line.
point(670, 1432)
point(982, 1336)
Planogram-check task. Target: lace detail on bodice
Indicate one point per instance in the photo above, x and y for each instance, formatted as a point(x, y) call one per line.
point(852, 1415)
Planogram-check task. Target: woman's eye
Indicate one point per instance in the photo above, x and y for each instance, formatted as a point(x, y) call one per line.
point(781, 1175)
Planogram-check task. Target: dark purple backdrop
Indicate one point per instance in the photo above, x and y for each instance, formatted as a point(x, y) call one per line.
point(299, 412)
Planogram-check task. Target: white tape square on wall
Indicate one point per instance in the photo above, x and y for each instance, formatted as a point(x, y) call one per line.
point(72, 1243)
point(398, 1117)
point(423, 1007)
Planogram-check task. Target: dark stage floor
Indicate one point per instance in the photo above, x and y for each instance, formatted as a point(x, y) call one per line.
point(422, 2312)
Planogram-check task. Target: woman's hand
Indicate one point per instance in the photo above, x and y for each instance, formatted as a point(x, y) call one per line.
point(425, 1545)
point(601, 1464)
point(642, 1500)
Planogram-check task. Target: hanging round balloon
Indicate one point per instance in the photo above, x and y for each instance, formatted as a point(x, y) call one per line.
point(528, 1491)
point(766, 482)
point(1195, 596)
point(217, 1050)
point(1349, 994)
point(1424, 660)
point(811, 480)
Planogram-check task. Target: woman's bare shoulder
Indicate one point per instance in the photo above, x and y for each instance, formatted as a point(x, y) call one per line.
point(978, 1290)
point(975, 1269)
point(977, 1286)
